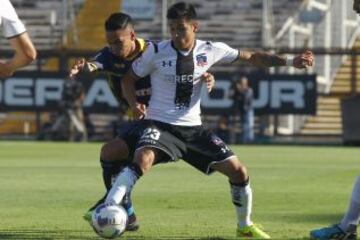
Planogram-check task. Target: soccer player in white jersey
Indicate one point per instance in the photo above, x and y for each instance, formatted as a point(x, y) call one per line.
point(346, 229)
point(123, 47)
point(15, 31)
point(173, 128)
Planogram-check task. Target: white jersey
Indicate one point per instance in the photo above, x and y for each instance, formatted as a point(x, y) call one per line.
point(9, 20)
point(176, 79)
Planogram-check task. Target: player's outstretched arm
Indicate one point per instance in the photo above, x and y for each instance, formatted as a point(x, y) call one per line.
point(81, 65)
point(263, 59)
point(128, 91)
point(25, 53)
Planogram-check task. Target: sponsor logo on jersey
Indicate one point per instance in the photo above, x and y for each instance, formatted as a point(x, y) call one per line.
point(184, 78)
point(166, 63)
point(201, 60)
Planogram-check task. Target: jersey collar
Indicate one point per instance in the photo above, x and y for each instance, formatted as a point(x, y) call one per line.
point(139, 47)
point(179, 51)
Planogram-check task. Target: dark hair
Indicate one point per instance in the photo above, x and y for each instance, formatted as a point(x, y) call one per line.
point(117, 21)
point(182, 10)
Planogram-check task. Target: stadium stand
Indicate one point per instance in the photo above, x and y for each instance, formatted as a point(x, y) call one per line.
point(44, 21)
point(238, 23)
point(90, 24)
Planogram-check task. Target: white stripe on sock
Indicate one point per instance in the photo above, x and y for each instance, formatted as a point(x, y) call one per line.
point(122, 185)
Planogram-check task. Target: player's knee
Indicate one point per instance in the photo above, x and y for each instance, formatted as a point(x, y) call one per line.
point(106, 153)
point(145, 159)
point(241, 172)
point(238, 173)
point(115, 150)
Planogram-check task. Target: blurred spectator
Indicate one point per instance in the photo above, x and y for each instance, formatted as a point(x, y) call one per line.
point(15, 31)
point(222, 128)
point(45, 132)
point(71, 113)
point(242, 95)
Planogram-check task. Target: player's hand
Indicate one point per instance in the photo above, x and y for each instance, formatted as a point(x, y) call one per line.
point(139, 111)
point(304, 60)
point(5, 70)
point(77, 67)
point(209, 80)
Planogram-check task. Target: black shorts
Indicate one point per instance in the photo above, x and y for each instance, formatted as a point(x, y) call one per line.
point(131, 132)
point(194, 144)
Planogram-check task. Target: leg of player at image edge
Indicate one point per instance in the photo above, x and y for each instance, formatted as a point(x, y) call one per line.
point(110, 170)
point(346, 229)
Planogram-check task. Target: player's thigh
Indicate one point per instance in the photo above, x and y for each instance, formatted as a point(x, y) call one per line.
point(123, 146)
point(146, 157)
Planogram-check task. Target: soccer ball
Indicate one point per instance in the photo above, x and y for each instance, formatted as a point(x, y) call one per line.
point(109, 220)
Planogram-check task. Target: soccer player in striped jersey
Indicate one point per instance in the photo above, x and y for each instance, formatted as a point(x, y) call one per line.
point(115, 60)
point(173, 127)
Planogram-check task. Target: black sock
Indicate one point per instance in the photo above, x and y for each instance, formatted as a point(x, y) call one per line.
point(110, 170)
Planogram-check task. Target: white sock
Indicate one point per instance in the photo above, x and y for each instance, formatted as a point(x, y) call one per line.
point(122, 185)
point(352, 216)
point(242, 199)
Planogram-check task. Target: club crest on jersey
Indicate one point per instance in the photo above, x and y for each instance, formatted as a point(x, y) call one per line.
point(201, 60)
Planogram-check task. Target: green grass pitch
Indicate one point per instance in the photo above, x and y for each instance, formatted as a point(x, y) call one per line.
point(46, 187)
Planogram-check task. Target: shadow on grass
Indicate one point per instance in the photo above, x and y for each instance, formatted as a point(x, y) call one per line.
point(173, 238)
point(45, 235)
point(80, 235)
point(53, 235)
point(199, 238)
point(325, 219)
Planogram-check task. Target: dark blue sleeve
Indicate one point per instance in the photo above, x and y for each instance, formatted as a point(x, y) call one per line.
point(101, 59)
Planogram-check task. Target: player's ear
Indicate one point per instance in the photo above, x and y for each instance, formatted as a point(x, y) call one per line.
point(132, 35)
point(195, 26)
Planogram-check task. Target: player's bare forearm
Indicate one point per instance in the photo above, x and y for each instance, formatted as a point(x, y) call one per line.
point(262, 59)
point(128, 88)
point(25, 53)
point(128, 91)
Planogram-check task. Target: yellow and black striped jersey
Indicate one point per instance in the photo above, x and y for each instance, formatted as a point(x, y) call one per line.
point(115, 67)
